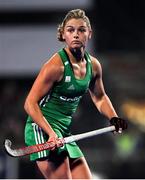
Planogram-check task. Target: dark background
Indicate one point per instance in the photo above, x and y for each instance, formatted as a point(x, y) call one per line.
point(118, 42)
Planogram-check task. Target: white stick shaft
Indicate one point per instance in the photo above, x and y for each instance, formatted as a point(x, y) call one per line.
point(88, 134)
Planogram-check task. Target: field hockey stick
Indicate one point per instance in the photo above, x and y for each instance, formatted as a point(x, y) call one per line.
point(49, 145)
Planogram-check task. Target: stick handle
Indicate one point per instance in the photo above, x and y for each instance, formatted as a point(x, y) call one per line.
point(88, 134)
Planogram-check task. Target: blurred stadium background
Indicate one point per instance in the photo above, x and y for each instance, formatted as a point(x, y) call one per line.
point(28, 38)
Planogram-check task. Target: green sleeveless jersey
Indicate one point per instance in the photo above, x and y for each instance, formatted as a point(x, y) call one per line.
point(60, 104)
point(58, 107)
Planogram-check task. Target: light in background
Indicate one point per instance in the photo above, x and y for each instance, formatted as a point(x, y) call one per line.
point(135, 112)
point(15, 5)
point(24, 49)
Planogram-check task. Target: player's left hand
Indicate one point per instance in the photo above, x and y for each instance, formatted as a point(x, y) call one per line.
point(119, 123)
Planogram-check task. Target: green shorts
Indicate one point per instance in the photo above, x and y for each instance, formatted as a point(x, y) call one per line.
point(35, 135)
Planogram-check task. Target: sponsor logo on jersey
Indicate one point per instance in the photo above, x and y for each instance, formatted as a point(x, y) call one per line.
point(44, 100)
point(64, 98)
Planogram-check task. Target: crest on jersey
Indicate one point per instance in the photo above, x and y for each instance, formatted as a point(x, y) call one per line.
point(68, 79)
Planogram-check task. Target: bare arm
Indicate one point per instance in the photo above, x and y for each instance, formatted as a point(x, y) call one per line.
point(50, 73)
point(98, 94)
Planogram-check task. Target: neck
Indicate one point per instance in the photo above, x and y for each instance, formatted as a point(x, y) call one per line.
point(78, 53)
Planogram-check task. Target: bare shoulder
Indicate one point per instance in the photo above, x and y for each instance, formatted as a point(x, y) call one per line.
point(97, 69)
point(54, 61)
point(54, 67)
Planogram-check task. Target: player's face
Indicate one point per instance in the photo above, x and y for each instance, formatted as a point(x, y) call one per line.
point(76, 33)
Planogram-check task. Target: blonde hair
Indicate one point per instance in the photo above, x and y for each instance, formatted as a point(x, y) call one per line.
point(76, 14)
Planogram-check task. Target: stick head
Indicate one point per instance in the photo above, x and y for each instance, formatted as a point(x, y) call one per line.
point(8, 145)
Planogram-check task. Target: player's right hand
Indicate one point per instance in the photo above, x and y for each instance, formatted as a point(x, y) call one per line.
point(55, 141)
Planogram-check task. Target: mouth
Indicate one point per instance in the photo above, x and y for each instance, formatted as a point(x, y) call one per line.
point(76, 42)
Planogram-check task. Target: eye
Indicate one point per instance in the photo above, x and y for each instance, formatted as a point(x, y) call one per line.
point(70, 29)
point(82, 29)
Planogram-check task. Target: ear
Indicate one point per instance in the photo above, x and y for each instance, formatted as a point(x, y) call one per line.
point(90, 34)
point(63, 36)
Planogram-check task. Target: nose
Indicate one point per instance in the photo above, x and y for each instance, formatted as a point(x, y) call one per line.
point(76, 35)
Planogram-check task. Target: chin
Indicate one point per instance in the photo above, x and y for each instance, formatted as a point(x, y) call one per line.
point(77, 46)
